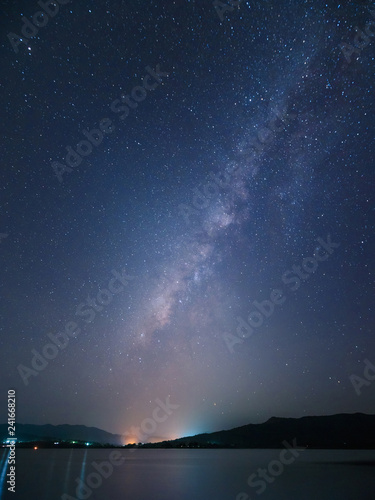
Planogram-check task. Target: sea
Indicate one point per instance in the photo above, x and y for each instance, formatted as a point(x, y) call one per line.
point(189, 474)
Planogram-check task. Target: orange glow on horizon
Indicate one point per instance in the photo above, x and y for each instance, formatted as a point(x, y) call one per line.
point(149, 439)
point(130, 441)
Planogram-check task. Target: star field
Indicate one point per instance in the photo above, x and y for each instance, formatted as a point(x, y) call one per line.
point(224, 153)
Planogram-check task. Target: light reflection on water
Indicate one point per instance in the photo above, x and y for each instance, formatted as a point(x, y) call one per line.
point(83, 468)
point(187, 474)
point(3, 470)
point(67, 474)
point(50, 474)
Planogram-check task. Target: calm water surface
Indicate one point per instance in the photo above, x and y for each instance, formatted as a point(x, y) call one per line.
point(190, 475)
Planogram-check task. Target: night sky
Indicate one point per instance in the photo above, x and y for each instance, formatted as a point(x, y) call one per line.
point(222, 150)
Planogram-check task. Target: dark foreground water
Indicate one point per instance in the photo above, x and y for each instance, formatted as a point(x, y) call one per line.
point(191, 475)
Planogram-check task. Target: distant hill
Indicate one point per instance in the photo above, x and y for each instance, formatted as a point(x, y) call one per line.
point(27, 432)
point(344, 431)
